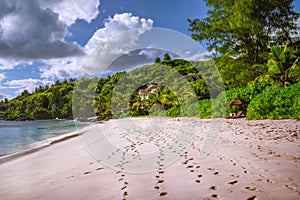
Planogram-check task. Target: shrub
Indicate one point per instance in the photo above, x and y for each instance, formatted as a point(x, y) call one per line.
point(276, 103)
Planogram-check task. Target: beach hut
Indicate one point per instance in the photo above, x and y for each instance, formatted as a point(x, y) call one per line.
point(239, 103)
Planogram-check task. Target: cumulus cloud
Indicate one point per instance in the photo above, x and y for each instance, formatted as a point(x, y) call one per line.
point(26, 84)
point(6, 64)
point(62, 68)
point(119, 35)
point(71, 10)
point(28, 31)
point(116, 25)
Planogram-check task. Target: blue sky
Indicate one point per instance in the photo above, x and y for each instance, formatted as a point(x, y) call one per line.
point(42, 41)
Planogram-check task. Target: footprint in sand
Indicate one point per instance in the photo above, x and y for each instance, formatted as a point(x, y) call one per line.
point(185, 162)
point(215, 196)
point(290, 187)
point(123, 187)
point(212, 187)
point(100, 168)
point(232, 182)
point(270, 181)
point(87, 172)
point(251, 188)
point(163, 194)
point(252, 198)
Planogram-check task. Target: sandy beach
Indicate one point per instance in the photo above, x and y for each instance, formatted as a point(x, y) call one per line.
point(250, 160)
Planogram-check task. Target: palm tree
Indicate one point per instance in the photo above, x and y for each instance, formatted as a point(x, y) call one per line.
point(283, 65)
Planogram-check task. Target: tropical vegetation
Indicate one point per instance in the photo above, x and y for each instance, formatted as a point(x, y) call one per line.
point(256, 49)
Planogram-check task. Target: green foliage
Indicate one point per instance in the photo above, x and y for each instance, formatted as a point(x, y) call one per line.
point(203, 110)
point(241, 31)
point(235, 72)
point(44, 103)
point(236, 27)
point(167, 57)
point(283, 66)
point(246, 94)
point(157, 60)
point(181, 91)
point(276, 103)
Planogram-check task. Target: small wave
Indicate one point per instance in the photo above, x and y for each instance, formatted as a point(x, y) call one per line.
point(45, 143)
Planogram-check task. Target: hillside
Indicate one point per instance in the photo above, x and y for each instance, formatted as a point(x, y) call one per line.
point(168, 88)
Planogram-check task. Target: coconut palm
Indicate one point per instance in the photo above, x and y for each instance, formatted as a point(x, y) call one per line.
point(283, 65)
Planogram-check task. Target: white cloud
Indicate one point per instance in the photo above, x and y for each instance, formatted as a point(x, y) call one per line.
point(116, 25)
point(29, 32)
point(198, 55)
point(62, 68)
point(35, 30)
point(151, 53)
point(26, 84)
point(71, 10)
point(6, 64)
point(119, 35)
point(2, 77)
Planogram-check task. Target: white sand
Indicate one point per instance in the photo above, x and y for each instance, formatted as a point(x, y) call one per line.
point(251, 160)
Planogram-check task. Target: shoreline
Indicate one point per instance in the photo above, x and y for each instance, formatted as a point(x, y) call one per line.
point(251, 160)
point(37, 146)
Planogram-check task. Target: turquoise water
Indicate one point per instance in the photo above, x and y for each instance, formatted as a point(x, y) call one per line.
point(17, 136)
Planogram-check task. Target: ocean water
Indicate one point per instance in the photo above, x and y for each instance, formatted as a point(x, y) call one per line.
point(16, 136)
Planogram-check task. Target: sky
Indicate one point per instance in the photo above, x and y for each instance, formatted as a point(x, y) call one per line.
point(42, 41)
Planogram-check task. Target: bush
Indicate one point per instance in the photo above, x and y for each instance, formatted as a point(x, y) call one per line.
point(276, 103)
point(246, 94)
point(201, 109)
point(205, 109)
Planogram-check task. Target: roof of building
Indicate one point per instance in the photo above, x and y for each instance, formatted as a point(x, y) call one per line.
point(236, 101)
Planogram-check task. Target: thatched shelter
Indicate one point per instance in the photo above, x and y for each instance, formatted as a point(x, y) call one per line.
point(241, 112)
point(236, 102)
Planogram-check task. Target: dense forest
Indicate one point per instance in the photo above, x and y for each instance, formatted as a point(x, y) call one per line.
point(256, 50)
point(56, 101)
point(268, 96)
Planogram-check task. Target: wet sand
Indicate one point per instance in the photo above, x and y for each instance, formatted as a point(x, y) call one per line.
point(250, 160)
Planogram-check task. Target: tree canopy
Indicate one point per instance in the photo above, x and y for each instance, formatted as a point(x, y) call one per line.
point(240, 31)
